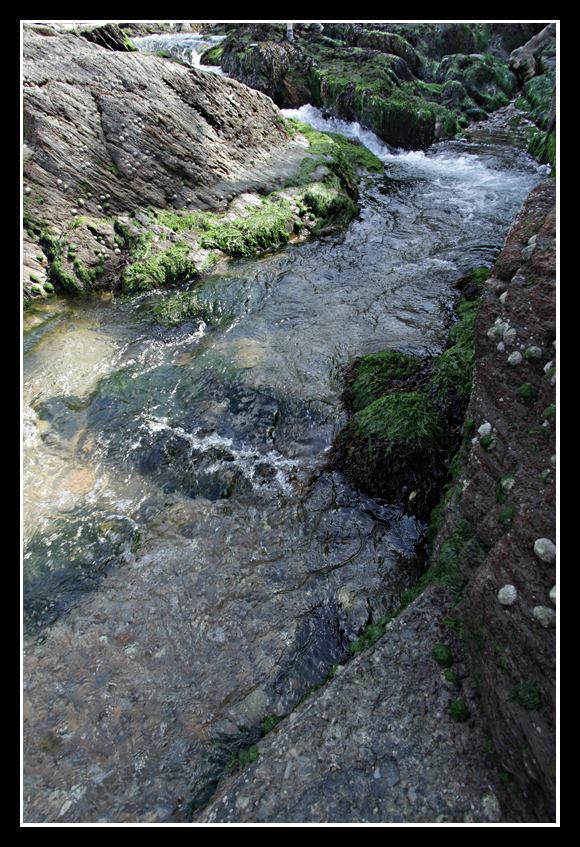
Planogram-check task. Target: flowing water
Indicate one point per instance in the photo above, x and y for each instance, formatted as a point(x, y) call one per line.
point(185, 47)
point(189, 567)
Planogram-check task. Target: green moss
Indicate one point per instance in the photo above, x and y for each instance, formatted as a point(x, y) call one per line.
point(330, 205)
point(527, 695)
point(262, 228)
point(506, 517)
point(213, 55)
point(400, 420)
point(442, 655)
point(271, 722)
point(167, 268)
point(64, 277)
point(376, 374)
point(372, 634)
point(486, 440)
point(452, 677)
point(550, 413)
point(527, 391)
point(87, 276)
point(453, 370)
point(458, 710)
point(503, 487)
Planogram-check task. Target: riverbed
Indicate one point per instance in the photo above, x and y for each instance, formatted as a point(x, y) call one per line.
point(190, 567)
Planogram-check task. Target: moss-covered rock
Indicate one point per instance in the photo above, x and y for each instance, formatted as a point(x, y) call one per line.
point(167, 268)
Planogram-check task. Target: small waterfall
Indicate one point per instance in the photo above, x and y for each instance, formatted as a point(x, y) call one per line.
point(187, 47)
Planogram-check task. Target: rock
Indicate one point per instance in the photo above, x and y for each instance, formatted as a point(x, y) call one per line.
point(545, 550)
point(507, 595)
point(109, 134)
point(553, 595)
point(515, 550)
point(522, 59)
point(545, 616)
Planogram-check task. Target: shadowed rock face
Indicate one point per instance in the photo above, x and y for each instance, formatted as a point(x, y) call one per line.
point(508, 504)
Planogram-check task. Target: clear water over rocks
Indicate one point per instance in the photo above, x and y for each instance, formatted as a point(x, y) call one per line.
point(189, 566)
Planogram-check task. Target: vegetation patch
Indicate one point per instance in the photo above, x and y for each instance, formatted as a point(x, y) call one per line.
point(459, 710)
point(403, 412)
point(442, 655)
point(377, 373)
point(402, 420)
point(528, 695)
point(167, 268)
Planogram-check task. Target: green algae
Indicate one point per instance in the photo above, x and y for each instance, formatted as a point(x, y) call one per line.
point(376, 373)
point(442, 655)
point(167, 268)
point(402, 420)
point(528, 695)
point(459, 710)
point(268, 225)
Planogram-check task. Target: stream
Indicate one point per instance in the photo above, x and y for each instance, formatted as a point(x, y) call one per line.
point(189, 566)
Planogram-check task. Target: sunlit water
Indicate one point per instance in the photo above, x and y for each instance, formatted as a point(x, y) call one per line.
point(185, 47)
point(188, 566)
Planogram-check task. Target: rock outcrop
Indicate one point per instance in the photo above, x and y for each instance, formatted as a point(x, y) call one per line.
point(120, 149)
point(503, 505)
point(411, 84)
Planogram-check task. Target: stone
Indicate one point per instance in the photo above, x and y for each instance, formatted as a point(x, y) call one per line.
point(545, 550)
point(553, 595)
point(545, 616)
point(515, 358)
point(507, 595)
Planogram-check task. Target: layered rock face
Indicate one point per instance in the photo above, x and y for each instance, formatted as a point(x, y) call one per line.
point(106, 132)
point(502, 511)
point(106, 123)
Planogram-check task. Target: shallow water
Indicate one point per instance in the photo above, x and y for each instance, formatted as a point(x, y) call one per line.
point(189, 567)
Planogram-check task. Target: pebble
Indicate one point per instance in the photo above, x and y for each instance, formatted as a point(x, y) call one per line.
point(553, 595)
point(545, 550)
point(509, 336)
point(514, 358)
point(507, 595)
point(533, 354)
point(545, 616)
point(484, 429)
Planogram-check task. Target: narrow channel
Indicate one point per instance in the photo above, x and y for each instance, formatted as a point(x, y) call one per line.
point(188, 567)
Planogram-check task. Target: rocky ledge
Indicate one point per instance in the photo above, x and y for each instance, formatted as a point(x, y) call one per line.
point(133, 162)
